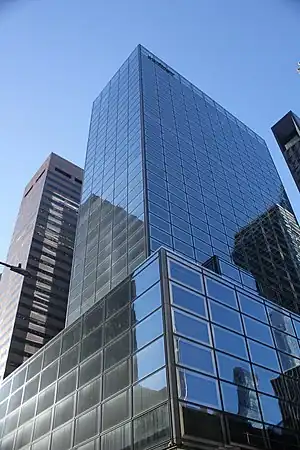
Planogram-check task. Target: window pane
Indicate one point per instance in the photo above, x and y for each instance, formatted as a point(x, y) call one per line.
point(42, 424)
point(116, 325)
point(27, 411)
point(198, 389)
point(42, 444)
point(189, 300)
point(69, 360)
point(92, 343)
point(90, 369)
point(116, 379)
point(46, 399)
point(271, 410)
point(267, 381)
point(185, 275)
point(51, 353)
point(23, 436)
point(147, 330)
point(150, 392)
point(225, 316)
point(146, 303)
point(191, 327)
point(49, 375)
point(118, 439)
point(259, 331)
point(152, 428)
point(235, 370)
point(280, 321)
point(286, 343)
point(64, 411)
point(88, 396)
point(115, 410)
point(149, 359)
point(62, 438)
point(195, 356)
point(239, 400)
point(252, 308)
point(31, 388)
point(264, 356)
point(71, 337)
point(93, 319)
point(117, 351)
point(86, 426)
point(146, 278)
point(66, 385)
point(220, 292)
point(230, 342)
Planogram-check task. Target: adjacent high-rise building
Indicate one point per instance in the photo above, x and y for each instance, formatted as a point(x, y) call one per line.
point(33, 310)
point(166, 165)
point(287, 134)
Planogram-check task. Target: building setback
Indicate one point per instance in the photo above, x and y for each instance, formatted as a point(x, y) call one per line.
point(166, 165)
point(33, 310)
point(287, 135)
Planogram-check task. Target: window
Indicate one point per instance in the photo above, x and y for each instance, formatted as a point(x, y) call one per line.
point(146, 303)
point(62, 438)
point(188, 299)
point(230, 342)
point(115, 410)
point(90, 369)
point(191, 327)
point(252, 308)
point(240, 400)
point(234, 370)
point(220, 292)
point(258, 330)
point(118, 439)
point(64, 411)
point(149, 359)
point(225, 316)
point(185, 275)
point(194, 356)
point(117, 379)
point(150, 392)
point(152, 428)
point(88, 396)
point(263, 355)
point(66, 385)
point(147, 330)
point(200, 389)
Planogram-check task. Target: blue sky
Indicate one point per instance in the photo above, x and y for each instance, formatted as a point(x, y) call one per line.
point(56, 55)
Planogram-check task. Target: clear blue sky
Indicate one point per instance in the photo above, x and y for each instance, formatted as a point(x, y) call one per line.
point(56, 55)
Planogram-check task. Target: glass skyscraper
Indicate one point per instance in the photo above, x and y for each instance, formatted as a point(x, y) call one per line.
point(169, 348)
point(166, 165)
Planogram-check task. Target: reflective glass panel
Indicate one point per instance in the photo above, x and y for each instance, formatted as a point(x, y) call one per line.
point(220, 292)
point(235, 370)
point(194, 356)
point(198, 389)
point(263, 355)
point(148, 330)
point(150, 391)
point(188, 299)
point(225, 316)
point(240, 400)
point(146, 303)
point(185, 275)
point(258, 330)
point(149, 359)
point(230, 342)
point(191, 327)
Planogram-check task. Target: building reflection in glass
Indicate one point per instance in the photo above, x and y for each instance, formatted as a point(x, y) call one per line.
point(269, 247)
point(247, 398)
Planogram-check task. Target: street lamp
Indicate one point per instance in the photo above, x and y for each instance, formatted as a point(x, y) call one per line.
point(17, 269)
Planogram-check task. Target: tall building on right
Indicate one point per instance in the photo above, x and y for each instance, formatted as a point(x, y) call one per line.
point(287, 135)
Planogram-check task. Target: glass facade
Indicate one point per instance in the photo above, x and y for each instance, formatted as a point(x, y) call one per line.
point(176, 353)
point(166, 165)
